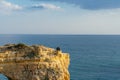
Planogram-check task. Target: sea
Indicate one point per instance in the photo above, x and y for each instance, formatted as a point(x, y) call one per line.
point(92, 57)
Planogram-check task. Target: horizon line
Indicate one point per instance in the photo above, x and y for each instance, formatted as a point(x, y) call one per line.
point(68, 34)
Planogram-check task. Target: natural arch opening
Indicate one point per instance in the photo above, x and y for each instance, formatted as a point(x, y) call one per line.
point(3, 77)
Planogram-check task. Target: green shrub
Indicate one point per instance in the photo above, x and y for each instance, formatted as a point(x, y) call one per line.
point(20, 45)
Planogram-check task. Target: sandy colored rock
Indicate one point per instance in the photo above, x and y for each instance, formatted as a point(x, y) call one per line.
point(36, 62)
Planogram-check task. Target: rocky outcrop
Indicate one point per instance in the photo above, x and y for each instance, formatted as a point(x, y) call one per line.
point(36, 62)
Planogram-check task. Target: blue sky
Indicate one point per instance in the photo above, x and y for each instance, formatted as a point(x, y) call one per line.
point(59, 16)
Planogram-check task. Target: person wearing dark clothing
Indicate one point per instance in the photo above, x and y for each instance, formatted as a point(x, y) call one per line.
point(58, 49)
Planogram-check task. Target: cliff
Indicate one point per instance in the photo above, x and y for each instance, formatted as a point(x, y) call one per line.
point(36, 62)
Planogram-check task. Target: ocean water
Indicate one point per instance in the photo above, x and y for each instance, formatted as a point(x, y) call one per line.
point(93, 57)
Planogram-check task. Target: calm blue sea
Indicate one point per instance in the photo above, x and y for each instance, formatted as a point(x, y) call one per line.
point(93, 57)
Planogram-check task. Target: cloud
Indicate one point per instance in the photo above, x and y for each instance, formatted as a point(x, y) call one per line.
point(46, 6)
point(7, 7)
point(91, 4)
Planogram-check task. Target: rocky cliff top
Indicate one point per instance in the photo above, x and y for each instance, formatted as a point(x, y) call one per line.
point(36, 62)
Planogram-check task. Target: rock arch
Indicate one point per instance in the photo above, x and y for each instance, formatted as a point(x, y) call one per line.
point(43, 65)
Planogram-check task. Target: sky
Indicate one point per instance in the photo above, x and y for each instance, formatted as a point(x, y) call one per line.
point(59, 17)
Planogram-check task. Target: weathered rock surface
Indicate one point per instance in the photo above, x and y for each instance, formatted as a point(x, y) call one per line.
point(22, 62)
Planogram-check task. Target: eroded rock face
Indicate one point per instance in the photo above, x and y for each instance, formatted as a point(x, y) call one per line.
point(22, 62)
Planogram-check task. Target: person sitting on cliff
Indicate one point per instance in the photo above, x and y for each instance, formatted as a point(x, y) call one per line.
point(58, 49)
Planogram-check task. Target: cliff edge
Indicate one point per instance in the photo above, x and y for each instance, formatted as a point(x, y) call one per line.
point(36, 62)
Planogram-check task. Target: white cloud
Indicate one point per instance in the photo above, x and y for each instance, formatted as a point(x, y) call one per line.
point(10, 5)
point(47, 6)
point(6, 7)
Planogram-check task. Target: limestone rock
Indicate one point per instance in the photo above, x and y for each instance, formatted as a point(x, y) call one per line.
point(36, 62)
